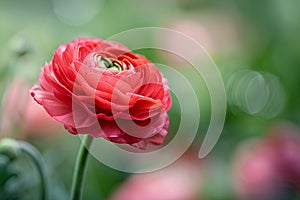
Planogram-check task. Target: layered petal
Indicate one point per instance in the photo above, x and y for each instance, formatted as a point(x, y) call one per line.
point(102, 89)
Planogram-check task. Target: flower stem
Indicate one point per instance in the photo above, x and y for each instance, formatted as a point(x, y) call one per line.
point(36, 157)
point(80, 168)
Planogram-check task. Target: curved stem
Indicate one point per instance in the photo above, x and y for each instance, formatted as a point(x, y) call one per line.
point(36, 157)
point(80, 168)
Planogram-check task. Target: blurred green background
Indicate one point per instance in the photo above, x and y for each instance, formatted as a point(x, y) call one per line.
point(255, 45)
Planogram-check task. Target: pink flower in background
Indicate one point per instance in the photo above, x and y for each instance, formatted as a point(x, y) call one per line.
point(267, 168)
point(21, 114)
point(285, 141)
point(181, 181)
point(218, 33)
point(102, 89)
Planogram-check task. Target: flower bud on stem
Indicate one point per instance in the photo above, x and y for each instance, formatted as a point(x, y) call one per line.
point(13, 148)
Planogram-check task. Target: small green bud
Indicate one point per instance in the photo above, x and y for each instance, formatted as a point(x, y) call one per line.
point(10, 148)
point(20, 46)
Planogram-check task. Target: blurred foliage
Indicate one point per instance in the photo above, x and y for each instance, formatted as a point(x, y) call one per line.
point(6, 173)
point(18, 179)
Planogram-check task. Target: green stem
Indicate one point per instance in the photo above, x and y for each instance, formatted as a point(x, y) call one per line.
point(80, 168)
point(36, 157)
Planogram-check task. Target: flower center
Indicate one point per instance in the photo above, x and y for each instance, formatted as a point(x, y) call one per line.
point(111, 64)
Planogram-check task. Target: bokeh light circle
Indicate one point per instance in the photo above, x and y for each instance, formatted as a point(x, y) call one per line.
point(256, 93)
point(76, 12)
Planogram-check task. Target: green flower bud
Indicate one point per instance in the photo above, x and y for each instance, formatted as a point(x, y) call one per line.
point(20, 46)
point(10, 148)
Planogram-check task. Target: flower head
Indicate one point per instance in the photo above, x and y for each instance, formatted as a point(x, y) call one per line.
point(102, 89)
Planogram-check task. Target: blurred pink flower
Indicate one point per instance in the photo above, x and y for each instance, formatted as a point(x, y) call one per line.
point(266, 168)
point(219, 34)
point(21, 114)
point(181, 181)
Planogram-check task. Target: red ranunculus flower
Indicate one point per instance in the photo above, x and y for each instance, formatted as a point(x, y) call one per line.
point(102, 89)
